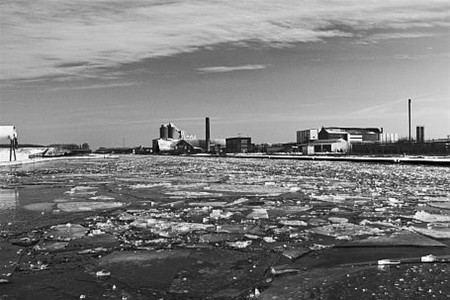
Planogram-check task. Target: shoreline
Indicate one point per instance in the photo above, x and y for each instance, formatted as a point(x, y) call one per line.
point(369, 159)
point(364, 159)
point(51, 159)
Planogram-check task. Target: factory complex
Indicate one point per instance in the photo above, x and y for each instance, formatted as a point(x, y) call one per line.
point(175, 141)
point(340, 139)
point(314, 141)
point(326, 140)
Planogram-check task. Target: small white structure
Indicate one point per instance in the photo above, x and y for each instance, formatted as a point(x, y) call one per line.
point(326, 146)
point(164, 145)
point(387, 138)
point(9, 132)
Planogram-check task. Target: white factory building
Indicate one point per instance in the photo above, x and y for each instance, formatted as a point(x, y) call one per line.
point(175, 141)
point(340, 139)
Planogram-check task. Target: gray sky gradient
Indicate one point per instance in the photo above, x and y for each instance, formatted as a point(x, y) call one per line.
point(98, 71)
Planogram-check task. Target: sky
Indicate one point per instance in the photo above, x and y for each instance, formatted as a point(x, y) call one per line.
point(110, 72)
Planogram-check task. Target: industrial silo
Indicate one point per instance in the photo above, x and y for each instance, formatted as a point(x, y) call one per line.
point(163, 132)
point(420, 134)
point(172, 131)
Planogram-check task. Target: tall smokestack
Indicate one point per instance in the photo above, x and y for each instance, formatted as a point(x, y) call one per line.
point(409, 118)
point(208, 136)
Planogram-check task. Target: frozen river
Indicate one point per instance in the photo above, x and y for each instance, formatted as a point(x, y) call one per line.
point(224, 228)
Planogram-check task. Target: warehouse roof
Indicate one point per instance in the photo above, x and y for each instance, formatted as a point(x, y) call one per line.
point(353, 130)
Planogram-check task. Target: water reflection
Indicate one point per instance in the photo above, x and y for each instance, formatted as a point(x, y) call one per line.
point(9, 201)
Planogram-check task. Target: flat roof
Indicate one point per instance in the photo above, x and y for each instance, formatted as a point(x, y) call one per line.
point(238, 137)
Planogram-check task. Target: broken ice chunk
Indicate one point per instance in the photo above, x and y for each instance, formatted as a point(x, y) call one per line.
point(437, 233)
point(443, 205)
point(192, 194)
point(293, 223)
point(238, 201)
point(87, 206)
point(338, 220)
point(395, 202)
point(345, 229)
point(269, 239)
point(239, 244)
point(293, 254)
point(46, 206)
point(101, 198)
point(388, 262)
point(428, 258)
point(427, 217)
point(397, 239)
point(294, 189)
point(258, 213)
point(220, 214)
point(39, 266)
point(82, 191)
point(283, 269)
point(211, 204)
point(50, 246)
point(66, 232)
point(103, 273)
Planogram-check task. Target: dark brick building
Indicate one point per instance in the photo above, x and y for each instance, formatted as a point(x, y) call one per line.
point(239, 145)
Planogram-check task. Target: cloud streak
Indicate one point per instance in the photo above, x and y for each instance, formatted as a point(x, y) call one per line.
point(94, 86)
point(222, 69)
point(81, 38)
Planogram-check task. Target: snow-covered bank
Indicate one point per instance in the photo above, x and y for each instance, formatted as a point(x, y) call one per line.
point(22, 154)
point(444, 161)
point(23, 157)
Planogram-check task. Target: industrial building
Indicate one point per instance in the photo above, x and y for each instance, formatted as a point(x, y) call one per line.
point(172, 140)
point(351, 134)
point(194, 146)
point(169, 137)
point(340, 139)
point(282, 148)
point(388, 138)
point(170, 131)
point(238, 145)
point(305, 136)
point(326, 146)
point(420, 134)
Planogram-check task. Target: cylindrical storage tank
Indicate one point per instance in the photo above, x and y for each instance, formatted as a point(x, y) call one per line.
point(172, 131)
point(163, 132)
point(420, 134)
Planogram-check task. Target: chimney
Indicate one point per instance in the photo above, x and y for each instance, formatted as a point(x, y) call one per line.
point(208, 136)
point(409, 118)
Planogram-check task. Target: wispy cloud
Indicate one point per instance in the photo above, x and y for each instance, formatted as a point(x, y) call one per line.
point(93, 86)
point(397, 107)
point(78, 38)
point(222, 69)
point(376, 109)
point(377, 37)
point(399, 35)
